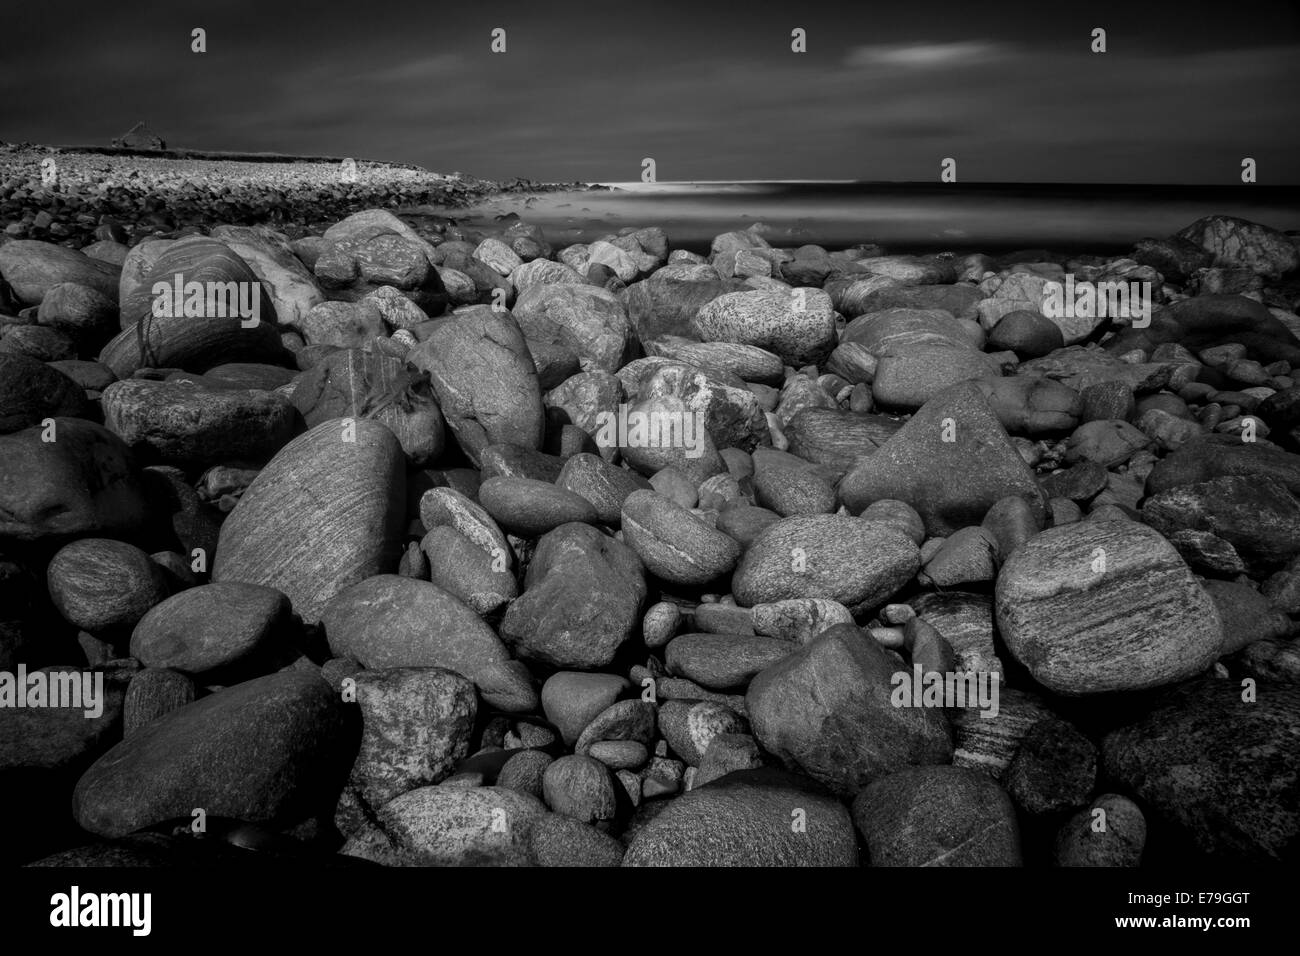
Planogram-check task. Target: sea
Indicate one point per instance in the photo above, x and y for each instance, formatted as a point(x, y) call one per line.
point(903, 217)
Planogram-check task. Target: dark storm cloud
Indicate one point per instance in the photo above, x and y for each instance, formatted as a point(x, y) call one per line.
point(586, 91)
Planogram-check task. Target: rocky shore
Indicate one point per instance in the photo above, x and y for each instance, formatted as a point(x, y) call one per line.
point(365, 579)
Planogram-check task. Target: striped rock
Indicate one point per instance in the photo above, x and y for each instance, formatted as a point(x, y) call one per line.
point(32, 268)
point(1104, 606)
point(324, 514)
point(292, 287)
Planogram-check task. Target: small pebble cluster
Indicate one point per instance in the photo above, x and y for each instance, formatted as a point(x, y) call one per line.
point(366, 581)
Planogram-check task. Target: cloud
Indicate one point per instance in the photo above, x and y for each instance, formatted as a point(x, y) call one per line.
point(925, 56)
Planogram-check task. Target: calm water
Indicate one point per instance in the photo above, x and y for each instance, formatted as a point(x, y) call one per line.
point(903, 217)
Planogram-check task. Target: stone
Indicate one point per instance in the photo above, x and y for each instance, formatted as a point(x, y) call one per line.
point(1054, 770)
point(798, 619)
point(1240, 243)
point(606, 486)
point(1120, 842)
point(843, 559)
point(589, 320)
point(914, 464)
point(272, 750)
point(374, 248)
point(1028, 334)
point(1105, 606)
point(744, 819)
point(1218, 770)
point(390, 621)
point(531, 508)
point(484, 379)
point(154, 692)
point(85, 315)
point(908, 378)
point(415, 727)
point(561, 841)
point(32, 268)
point(1247, 615)
point(796, 324)
point(466, 571)
point(31, 391)
point(690, 727)
point(674, 544)
point(212, 627)
point(1257, 515)
point(191, 427)
point(937, 816)
point(723, 661)
point(324, 514)
point(101, 585)
point(580, 787)
point(826, 711)
point(582, 600)
point(451, 826)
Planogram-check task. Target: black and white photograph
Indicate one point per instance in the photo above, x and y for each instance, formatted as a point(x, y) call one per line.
point(673, 435)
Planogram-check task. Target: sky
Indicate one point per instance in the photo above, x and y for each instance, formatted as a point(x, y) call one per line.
point(710, 91)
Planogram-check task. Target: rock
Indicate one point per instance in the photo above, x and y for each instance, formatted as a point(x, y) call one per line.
point(531, 508)
point(787, 484)
point(913, 465)
point(272, 750)
point(374, 248)
point(837, 438)
point(746, 362)
point(1115, 838)
point(1240, 243)
point(571, 700)
point(558, 840)
point(1108, 443)
point(581, 788)
point(1220, 456)
point(83, 483)
point(1028, 334)
point(967, 556)
point(193, 427)
point(416, 725)
point(729, 408)
point(691, 726)
point(451, 826)
point(1194, 761)
point(267, 253)
point(674, 544)
point(582, 600)
point(826, 711)
point(624, 720)
point(854, 562)
point(1257, 515)
point(101, 585)
point(726, 753)
point(212, 627)
point(1080, 367)
point(937, 816)
point(796, 324)
point(587, 319)
point(908, 378)
point(965, 622)
point(33, 268)
point(667, 301)
point(524, 771)
point(466, 571)
point(447, 506)
point(1055, 769)
point(744, 819)
point(352, 383)
point(988, 742)
point(1247, 615)
point(516, 461)
point(37, 342)
point(324, 514)
point(31, 391)
point(602, 484)
point(345, 325)
point(484, 379)
point(154, 692)
point(390, 621)
point(800, 619)
point(85, 315)
point(587, 400)
point(1026, 405)
point(668, 434)
point(1104, 606)
point(723, 661)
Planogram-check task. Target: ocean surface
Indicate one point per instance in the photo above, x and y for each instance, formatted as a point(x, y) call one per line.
point(904, 217)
